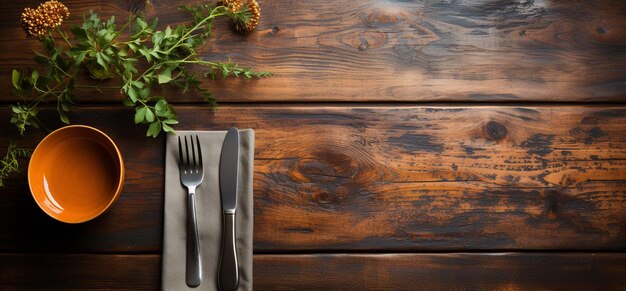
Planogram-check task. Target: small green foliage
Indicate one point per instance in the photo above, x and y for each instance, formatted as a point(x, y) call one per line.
point(24, 116)
point(142, 58)
point(9, 163)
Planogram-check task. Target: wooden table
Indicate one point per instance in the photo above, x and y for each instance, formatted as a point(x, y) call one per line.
point(400, 145)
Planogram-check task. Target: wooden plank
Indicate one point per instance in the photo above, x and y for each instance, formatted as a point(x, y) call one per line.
point(491, 271)
point(345, 50)
point(456, 271)
point(79, 272)
point(374, 178)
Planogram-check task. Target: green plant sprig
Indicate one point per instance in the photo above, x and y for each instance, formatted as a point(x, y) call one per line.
point(10, 162)
point(145, 61)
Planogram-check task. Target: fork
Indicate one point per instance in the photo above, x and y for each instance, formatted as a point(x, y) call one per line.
point(191, 174)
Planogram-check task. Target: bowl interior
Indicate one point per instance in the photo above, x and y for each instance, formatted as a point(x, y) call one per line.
point(75, 173)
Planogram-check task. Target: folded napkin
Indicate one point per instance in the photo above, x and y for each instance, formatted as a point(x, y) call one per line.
point(209, 211)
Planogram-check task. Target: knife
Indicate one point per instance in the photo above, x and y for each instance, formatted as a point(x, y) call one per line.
point(228, 273)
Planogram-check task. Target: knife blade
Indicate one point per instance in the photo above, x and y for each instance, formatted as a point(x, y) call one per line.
point(228, 273)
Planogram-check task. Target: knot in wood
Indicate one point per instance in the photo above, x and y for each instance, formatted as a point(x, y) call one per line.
point(495, 130)
point(329, 167)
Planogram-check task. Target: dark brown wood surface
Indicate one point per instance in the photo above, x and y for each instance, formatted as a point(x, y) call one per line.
point(456, 271)
point(488, 271)
point(377, 178)
point(344, 50)
point(522, 166)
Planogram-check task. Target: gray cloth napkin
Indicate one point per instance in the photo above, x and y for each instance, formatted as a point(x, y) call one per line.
point(208, 207)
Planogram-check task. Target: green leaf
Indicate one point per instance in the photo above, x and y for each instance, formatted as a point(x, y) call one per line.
point(65, 107)
point(78, 32)
point(167, 128)
point(43, 81)
point(141, 23)
point(157, 37)
point(111, 23)
point(101, 61)
point(48, 43)
point(128, 66)
point(34, 76)
point(133, 47)
point(16, 109)
point(15, 79)
point(160, 106)
point(155, 53)
point(154, 129)
point(144, 93)
point(41, 60)
point(64, 118)
point(25, 84)
point(61, 62)
point(165, 76)
point(138, 84)
point(128, 102)
point(149, 115)
point(171, 121)
point(132, 93)
point(145, 53)
point(106, 58)
point(140, 114)
point(80, 57)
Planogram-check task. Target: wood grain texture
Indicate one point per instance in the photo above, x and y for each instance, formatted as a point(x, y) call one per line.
point(489, 271)
point(492, 271)
point(374, 178)
point(79, 272)
point(343, 50)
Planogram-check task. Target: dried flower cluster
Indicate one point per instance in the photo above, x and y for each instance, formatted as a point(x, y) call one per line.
point(49, 15)
point(233, 5)
point(254, 13)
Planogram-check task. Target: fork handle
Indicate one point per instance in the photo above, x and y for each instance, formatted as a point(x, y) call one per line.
point(193, 272)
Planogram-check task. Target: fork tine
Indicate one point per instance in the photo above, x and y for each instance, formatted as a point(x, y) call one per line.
point(188, 161)
point(180, 154)
point(199, 153)
point(194, 162)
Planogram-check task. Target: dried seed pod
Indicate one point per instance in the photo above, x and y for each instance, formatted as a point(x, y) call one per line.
point(232, 5)
point(49, 15)
point(254, 12)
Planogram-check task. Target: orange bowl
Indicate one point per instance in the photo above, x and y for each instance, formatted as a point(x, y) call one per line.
point(76, 173)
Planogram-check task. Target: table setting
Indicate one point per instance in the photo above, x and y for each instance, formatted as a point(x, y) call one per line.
point(215, 231)
point(312, 145)
point(207, 241)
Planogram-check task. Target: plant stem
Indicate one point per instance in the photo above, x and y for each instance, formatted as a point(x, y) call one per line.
point(184, 37)
point(96, 87)
point(60, 32)
point(119, 32)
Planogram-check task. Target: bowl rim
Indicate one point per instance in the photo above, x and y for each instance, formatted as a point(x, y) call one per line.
point(119, 159)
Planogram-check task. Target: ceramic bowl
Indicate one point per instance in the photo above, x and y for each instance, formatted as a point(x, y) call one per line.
point(76, 173)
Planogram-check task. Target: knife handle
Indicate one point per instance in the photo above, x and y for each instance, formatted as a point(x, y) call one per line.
point(228, 276)
point(193, 274)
